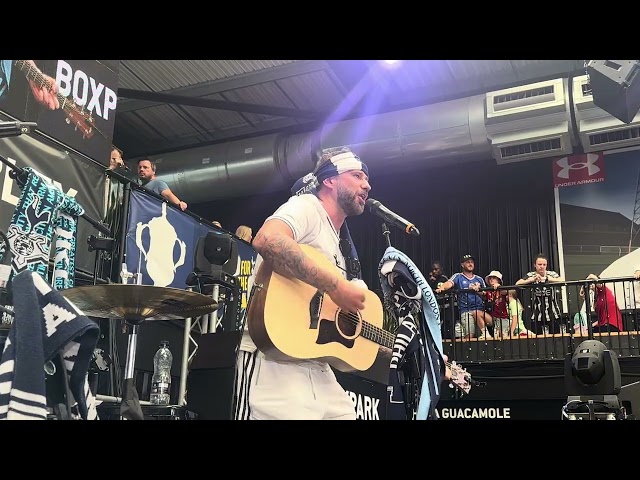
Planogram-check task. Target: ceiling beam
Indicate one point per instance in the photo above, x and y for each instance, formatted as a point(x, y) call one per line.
point(218, 104)
point(258, 77)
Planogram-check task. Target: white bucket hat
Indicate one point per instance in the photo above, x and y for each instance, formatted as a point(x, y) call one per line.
point(493, 273)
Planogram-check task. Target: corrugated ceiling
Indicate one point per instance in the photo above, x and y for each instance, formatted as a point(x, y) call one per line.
point(310, 90)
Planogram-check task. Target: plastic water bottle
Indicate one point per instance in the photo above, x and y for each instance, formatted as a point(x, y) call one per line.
point(161, 380)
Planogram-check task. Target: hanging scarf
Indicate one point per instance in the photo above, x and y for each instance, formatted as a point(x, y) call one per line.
point(34, 221)
point(397, 272)
point(45, 324)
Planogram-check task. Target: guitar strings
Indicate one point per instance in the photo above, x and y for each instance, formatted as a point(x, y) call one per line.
point(354, 319)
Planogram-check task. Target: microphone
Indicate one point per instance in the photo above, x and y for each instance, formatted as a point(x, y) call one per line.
point(387, 215)
point(124, 165)
point(13, 129)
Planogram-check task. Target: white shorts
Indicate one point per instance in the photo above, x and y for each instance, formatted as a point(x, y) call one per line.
point(293, 391)
point(466, 326)
point(502, 325)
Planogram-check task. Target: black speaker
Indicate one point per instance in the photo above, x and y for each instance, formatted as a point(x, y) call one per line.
point(216, 251)
point(615, 87)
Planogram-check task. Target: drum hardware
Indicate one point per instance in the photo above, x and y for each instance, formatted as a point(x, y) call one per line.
point(100, 243)
point(138, 303)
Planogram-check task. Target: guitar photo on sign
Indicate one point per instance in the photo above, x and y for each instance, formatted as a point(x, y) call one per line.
point(45, 91)
point(71, 101)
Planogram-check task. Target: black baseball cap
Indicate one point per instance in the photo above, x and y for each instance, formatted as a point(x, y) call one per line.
point(467, 257)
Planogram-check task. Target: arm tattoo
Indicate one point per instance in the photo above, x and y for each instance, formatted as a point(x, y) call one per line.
point(287, 259)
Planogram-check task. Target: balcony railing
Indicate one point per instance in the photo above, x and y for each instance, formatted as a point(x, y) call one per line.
point(554, 320)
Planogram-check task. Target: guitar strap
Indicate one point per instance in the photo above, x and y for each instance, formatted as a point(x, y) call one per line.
point(352, 257)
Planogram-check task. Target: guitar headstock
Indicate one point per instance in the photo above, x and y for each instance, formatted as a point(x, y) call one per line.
point(82, 121)
point(460, 378)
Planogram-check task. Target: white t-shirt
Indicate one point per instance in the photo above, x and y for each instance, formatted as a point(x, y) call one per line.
point(311, 226)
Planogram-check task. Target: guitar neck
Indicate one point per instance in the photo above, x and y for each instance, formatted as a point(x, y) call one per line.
point(377, 335)
point(36, 76)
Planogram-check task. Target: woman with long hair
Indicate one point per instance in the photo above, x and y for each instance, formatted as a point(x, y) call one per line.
point(245, 233)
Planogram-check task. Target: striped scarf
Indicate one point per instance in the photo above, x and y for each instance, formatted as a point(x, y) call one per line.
point(402, 281)
point(45, 324)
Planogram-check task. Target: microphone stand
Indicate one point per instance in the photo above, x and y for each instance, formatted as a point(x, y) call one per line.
point(386, 233)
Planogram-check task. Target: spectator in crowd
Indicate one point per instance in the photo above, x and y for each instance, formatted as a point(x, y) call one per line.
point(581, 319)
point(436, 277)
point(147, 175)
point(116, 160)
point(606, 307)
point(245, 233)
point(470, 305)
point(545, 311)
point(517, 327)
point(496, 305)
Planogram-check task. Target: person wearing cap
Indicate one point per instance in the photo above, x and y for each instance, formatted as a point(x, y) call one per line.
point(496, 305)
point(470, 305)
point(306, 389)
point(545, 311)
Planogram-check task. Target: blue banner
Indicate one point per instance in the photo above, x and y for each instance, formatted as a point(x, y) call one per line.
point(161, 243)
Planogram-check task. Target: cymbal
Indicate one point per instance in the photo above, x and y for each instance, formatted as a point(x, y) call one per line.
point(139, 302)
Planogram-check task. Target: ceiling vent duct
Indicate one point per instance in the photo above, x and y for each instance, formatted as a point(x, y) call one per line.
point(530, 121)
point(598, 130)
point(407, 139)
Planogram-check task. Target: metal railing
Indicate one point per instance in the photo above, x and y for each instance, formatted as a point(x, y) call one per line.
point(554, 318)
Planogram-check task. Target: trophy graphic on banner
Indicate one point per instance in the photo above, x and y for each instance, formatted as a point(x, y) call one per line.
point(159, 257)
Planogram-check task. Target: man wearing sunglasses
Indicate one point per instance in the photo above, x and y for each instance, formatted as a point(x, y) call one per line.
point(314, 216)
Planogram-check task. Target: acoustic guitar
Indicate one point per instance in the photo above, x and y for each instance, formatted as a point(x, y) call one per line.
point(289, 319)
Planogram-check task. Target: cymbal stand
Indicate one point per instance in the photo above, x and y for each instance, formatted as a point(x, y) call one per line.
point(132, 341)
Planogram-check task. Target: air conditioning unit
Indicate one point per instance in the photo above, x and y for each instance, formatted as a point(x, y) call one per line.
point(598, 130)
point(529, 121)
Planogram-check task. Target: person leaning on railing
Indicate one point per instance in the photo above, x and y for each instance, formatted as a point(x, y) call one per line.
point(545, 310)
point(606, 308)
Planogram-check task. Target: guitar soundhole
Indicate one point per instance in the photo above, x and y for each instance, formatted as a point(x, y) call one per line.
point(348, 324)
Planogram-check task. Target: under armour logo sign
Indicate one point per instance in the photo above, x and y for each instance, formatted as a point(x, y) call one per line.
point(590, 165)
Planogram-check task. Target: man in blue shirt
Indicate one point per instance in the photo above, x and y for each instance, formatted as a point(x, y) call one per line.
point(470, 305)
point(147, 176)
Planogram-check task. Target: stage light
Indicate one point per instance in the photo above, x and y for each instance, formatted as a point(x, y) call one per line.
point(217, 248)
point(587, 362)
point(390, 64)
point(592, 381)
